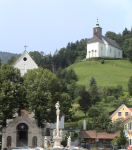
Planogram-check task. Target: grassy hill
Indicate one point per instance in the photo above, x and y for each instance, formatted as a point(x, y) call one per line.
point(111, 73)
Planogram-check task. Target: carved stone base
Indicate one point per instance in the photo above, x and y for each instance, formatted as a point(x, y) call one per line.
point(57, 142)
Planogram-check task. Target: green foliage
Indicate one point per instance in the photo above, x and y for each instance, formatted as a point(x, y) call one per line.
point(85, 102)
point(79, 89)
point(94, 95)
point(92, 82)
point(43, 91)
point(102, 61)
point(128, 49)
point(112, 91)
point(72, 125)
point(100, 118)
point(121, 140)
point(110, 99)
point(5, 56)
point(12, 60)
point(124, 99)
point(66, 105)
point(130, 86)
point(12, 92)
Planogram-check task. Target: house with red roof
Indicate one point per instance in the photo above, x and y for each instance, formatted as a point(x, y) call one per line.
point(119, 114)
point(91, 138)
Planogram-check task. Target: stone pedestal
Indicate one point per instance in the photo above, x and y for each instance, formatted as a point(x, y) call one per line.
point(57, 142)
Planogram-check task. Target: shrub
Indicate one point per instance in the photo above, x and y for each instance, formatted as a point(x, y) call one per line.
point(102, 61)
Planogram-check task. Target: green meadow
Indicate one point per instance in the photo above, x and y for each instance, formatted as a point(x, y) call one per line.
point(111, 73)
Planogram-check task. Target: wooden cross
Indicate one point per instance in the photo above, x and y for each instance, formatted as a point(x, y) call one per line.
point(25, 47)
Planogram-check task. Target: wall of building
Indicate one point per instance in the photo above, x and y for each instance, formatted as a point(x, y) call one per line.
point(123, 109)
point(102, 50)
point(25, 65)
point(90, 47)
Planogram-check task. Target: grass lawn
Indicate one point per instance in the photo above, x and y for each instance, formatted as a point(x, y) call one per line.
point(106, 74)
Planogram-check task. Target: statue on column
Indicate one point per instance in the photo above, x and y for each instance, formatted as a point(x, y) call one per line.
point(57, 105)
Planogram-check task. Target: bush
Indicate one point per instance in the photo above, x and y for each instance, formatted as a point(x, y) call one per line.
point(110, 99)
point(130, 86)
point(64, 143)
point(102, 61)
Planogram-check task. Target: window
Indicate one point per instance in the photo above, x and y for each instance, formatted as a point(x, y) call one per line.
point(106, 141)
point(9, 141)
point(119, 54)
point(119, 114)
point(34, 141)
point(91, 141)
point(25, 58)
point(96, 30)
point(126, 113)
point(110, 50)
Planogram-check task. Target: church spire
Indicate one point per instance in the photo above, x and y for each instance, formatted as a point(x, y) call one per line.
point(97, 24)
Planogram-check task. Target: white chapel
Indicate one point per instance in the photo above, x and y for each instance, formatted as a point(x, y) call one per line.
point(101, 46)
point(23, 130)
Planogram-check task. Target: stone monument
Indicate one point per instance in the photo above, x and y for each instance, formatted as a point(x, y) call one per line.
point(69, 141)
point(45, 142)
point(57, 135)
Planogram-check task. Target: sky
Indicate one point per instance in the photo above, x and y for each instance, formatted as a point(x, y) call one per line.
point(48, 25)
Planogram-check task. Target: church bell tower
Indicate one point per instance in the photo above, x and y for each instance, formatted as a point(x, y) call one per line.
point(97, 30)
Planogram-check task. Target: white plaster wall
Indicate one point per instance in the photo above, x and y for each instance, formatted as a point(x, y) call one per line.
point(106, 50)
point(61, 123)
point(25, 65)
point(90, 47)
point(114, 51)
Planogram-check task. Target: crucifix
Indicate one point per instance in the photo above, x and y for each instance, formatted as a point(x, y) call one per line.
point(25, 47)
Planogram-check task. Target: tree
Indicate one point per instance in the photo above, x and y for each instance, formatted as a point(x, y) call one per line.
point(85, 102)
point(121, 140)
point(94, 95)
point(100, 118)
point(127, 47)
point(92, 81)
point(66, 104)
point(43, 91)
point(12, 92)
point(130, 86)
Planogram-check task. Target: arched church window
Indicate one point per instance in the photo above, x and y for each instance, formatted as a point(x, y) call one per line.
point(34, 142)
point(9, 141)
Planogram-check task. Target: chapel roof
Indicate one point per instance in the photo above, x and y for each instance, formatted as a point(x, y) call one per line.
point(94, 39)
point(111, 42)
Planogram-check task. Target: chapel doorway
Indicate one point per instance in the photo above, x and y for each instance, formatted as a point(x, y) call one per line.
point(22, 135)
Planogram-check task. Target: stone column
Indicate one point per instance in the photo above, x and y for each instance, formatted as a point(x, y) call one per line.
point(13, 143)
point(57, 121)
point(29, 138)
point(3, 138)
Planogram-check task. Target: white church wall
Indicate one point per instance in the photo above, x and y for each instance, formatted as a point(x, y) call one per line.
point(102, 50)
point(90, 47)
point(114, 52)
point(25, 65)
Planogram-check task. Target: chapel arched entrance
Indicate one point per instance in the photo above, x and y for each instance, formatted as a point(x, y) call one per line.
point(22, 135)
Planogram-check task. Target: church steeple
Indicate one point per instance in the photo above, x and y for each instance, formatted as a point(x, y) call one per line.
point(97, 30)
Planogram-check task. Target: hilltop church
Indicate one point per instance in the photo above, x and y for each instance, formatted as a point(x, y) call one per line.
point(23, 130)
point(101, 46)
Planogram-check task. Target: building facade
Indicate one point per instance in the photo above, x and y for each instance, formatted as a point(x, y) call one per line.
point(101, 46)
point(23, 130)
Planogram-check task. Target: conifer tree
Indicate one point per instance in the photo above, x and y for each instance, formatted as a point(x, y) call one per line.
point(92, 82)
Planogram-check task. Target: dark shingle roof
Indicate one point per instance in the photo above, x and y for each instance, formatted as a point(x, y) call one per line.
point(94, 39)
point(111, 42)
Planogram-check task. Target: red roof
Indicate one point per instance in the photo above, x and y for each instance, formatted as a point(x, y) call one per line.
point(127, 117)
point(99, 135)
point(130, 109)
